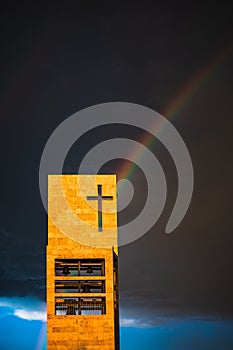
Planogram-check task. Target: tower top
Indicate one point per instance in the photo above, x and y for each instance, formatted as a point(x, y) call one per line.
point(84, 208)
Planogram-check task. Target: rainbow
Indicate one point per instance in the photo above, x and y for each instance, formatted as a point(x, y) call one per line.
point(177, 103)
point(41, 341)
point(181, 100)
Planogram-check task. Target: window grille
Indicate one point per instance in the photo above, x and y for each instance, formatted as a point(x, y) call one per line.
point(80, 306)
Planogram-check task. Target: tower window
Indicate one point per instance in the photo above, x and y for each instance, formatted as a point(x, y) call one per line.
point(79, 267)
point(80, 306)
point(72, 286)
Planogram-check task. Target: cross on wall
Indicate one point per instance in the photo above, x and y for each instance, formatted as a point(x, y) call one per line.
point(100, 199)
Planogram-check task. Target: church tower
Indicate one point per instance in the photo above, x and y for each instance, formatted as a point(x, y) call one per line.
point(82, 263)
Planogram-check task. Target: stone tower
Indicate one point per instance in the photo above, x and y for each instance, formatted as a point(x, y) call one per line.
point(82, 263)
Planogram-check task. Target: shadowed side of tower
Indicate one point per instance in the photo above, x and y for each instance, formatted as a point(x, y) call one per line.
point(82, 263)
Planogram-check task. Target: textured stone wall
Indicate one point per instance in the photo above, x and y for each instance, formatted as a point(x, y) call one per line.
point(83, 332)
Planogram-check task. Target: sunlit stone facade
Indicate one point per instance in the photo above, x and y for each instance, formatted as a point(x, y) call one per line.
point(82, 263)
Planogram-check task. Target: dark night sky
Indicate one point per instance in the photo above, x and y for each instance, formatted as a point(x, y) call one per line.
point(56, 60)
